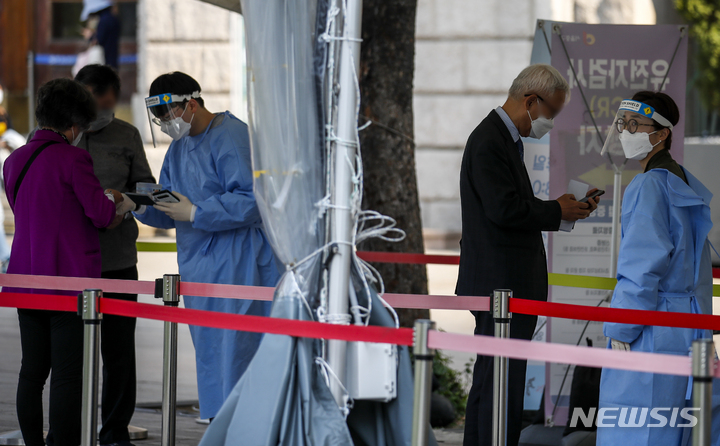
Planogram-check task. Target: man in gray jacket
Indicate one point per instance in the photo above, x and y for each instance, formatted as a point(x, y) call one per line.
point(120, 163)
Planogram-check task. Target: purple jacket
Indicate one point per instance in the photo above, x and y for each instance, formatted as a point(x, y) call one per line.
point(60, 205)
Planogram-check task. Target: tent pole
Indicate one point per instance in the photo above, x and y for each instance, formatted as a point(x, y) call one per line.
point(617, 207)
point(345, 147)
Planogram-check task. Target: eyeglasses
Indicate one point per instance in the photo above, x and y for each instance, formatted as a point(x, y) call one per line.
point(167, 117)
point(631, 125)
point(553, 112)
point(159, 121)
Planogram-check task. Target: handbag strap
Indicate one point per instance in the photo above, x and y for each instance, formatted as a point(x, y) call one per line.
point(21, 177)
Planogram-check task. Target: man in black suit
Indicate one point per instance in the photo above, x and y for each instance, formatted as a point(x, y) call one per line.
point(502, 224)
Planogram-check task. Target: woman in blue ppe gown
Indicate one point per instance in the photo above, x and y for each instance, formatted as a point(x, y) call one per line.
point(220, 236)
point(663, 265)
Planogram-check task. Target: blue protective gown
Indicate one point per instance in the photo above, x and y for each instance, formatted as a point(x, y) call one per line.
point(225, 244)
point(664, 265)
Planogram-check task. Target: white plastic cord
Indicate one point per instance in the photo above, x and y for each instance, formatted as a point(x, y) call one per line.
point(320, 250)
point(327, 374)
point(366, 125)
point(338, 319)
point(367, 224)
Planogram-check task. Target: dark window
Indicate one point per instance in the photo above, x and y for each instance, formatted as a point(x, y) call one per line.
point(127, 12)
point(66, 20)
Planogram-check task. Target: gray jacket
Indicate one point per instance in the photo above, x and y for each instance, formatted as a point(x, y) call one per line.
point(120, 162)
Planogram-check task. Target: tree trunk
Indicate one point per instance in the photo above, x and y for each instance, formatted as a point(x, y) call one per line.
point(386, 83)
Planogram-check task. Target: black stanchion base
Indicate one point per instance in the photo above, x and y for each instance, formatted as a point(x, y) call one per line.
point(14, 438)
point(137, 433)
point(539, 435)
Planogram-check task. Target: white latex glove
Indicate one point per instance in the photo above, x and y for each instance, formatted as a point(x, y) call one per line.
point(182, 211)
point(619, 345)
point(124, 206)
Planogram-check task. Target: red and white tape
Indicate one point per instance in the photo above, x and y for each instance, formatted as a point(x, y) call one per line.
point(484, 345)
point(76, 284)
point(418, 301)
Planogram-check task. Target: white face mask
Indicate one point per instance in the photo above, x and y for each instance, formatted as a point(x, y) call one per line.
point(540, 126)
point(76, 139)
point(636, 145)
point(104, 117)
point(2, 95)
point(177, 128)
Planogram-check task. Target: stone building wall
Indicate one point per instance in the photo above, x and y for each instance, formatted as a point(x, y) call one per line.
point(467, 54)
point(196, 38)
point(189, 36)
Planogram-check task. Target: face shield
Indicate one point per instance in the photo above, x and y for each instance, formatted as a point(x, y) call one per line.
point(165, 111)
point(629, 133)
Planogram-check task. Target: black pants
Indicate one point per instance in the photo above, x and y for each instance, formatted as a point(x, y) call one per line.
point(119, 388)
point(50, 340)
point(478, 414)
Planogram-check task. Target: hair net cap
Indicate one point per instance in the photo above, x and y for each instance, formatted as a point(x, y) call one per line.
point(93, 6)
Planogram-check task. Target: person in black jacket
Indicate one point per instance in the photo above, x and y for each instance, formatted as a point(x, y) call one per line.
point(502, 223)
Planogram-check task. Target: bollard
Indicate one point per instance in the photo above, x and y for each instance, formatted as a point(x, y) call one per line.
point(703, 368)
point(423, 382)
point(502, 317)
point(88, 306)
point(169, 293)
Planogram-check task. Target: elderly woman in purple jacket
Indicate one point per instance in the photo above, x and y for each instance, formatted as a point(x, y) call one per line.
point(59, 206)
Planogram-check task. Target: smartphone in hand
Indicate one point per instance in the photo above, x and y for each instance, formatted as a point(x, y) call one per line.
point(597, 193)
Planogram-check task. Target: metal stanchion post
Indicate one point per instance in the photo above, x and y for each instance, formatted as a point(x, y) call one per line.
point(703, 368)
point(502, 317)
point(423, 382)
point(171, 298)
point(88, 307)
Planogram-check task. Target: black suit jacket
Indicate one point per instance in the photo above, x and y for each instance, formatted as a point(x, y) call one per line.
point(501, 244)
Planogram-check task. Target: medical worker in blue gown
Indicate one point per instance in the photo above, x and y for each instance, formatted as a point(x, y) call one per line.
point(220, 236)
point(664, 265)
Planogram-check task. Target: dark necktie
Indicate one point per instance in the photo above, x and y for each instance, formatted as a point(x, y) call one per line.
point(521, 149)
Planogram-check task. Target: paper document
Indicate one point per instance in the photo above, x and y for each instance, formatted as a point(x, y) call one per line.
point(579, 190)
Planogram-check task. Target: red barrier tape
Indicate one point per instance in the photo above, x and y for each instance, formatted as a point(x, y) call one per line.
point(226, 291)
point(429, 259)
point(485, 345)
point(255, 324)
point(413, 259)
point(563, 354)
point(602, 314)
point(77, 284)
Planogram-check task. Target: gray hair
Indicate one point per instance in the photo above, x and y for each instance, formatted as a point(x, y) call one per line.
point(540, 79)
